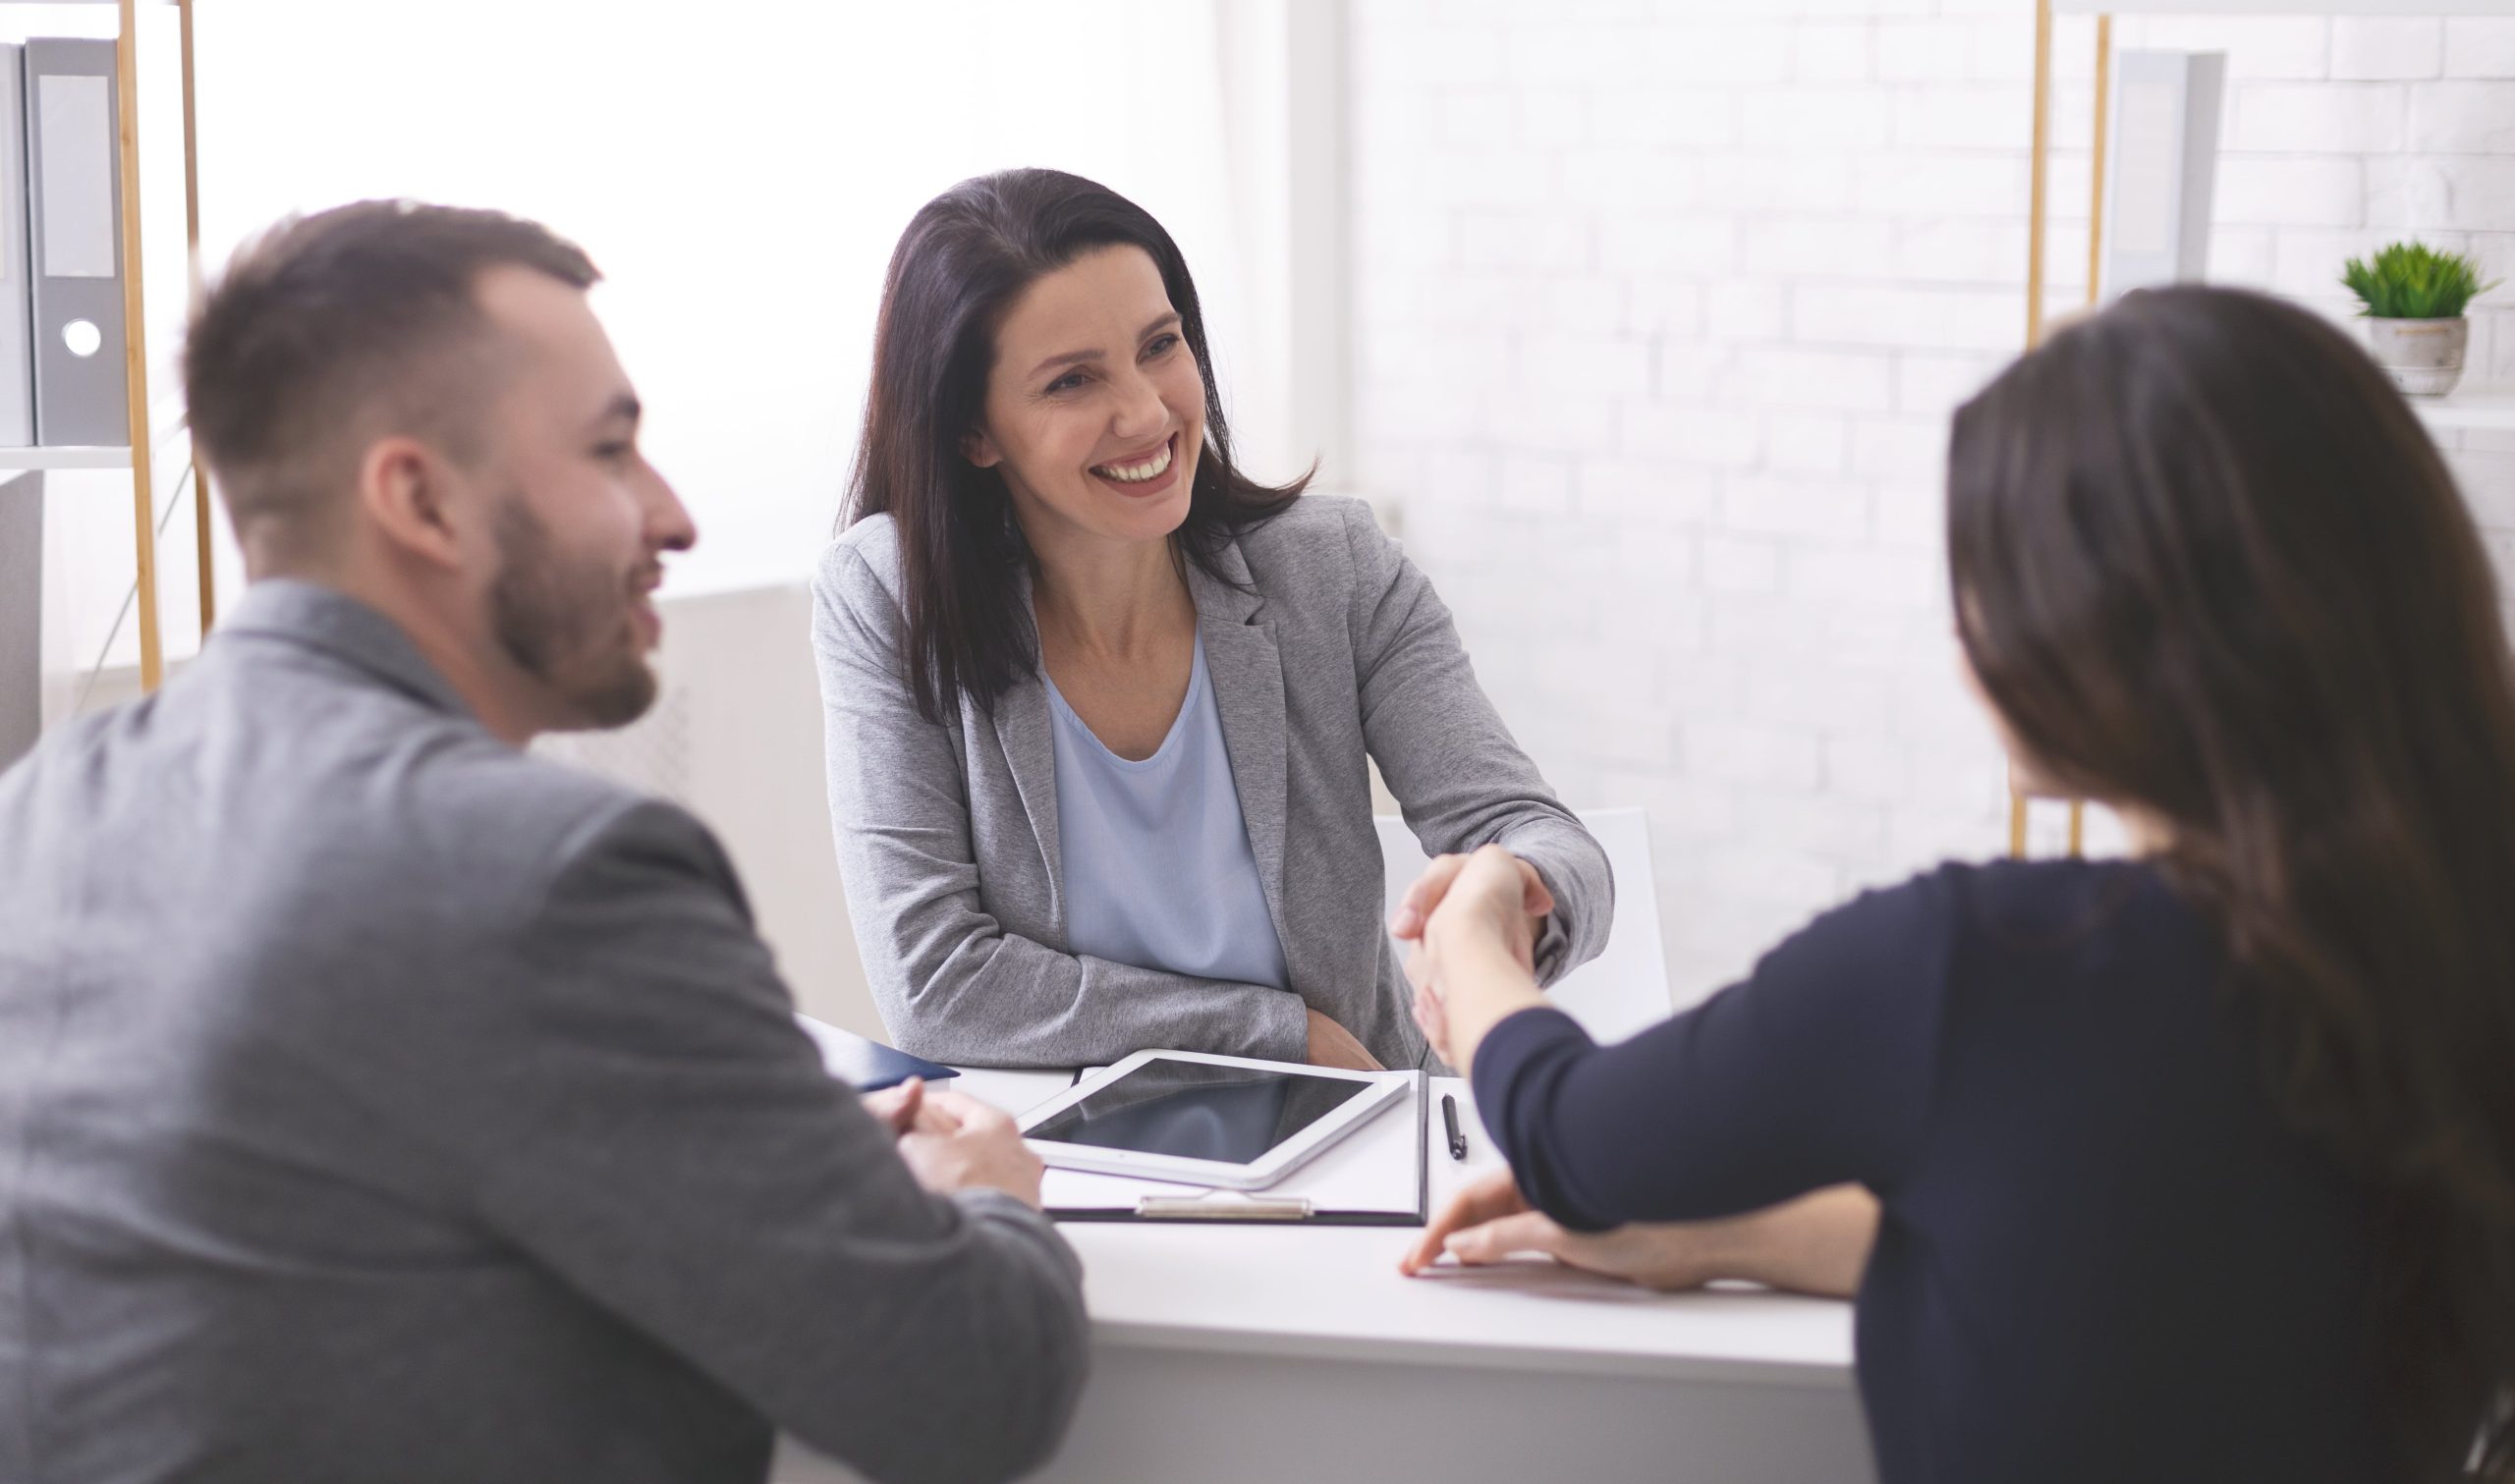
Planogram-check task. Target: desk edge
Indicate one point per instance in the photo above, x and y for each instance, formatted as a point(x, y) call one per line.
point(1136, 1334)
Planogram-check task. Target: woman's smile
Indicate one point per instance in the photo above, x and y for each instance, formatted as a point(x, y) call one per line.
point(1148, 473)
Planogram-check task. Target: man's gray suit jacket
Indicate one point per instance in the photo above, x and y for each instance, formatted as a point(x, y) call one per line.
point(380, 1103)
point(1327, 650)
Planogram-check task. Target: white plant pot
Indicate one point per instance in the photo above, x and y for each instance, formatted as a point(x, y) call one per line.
point(2423, 357)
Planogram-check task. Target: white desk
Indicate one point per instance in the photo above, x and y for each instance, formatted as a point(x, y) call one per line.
point(1276, 1353)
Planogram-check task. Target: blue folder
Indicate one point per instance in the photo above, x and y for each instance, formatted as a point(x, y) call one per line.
point(869, 1066)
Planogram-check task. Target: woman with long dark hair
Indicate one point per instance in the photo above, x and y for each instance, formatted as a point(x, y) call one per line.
point(1101, 708)
point(2198, 1164)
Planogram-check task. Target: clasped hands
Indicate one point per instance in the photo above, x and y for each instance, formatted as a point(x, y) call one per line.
point(951, 1141)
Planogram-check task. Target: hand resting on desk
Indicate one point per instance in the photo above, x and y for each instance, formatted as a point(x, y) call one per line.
point(1817, 1243)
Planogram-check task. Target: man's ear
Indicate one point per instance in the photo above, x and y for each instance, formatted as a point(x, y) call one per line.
point(406, 488)
point(980, 449)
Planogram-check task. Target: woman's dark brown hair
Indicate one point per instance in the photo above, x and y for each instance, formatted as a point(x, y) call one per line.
point(965, 258)
point(2209, 564)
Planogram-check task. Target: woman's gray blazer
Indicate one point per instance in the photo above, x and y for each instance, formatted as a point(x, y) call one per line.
point(1336, 647)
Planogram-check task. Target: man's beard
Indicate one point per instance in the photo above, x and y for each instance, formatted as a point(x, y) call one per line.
point(567, 623)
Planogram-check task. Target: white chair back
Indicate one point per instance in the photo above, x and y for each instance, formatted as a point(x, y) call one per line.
point(1626, 986)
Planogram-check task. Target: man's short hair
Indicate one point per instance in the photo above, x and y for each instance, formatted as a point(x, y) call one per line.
point(332, 330)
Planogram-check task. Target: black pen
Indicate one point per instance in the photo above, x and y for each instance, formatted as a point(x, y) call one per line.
point(1449, 1119)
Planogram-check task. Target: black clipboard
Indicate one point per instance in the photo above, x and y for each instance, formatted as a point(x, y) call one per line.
point(1261, 1208)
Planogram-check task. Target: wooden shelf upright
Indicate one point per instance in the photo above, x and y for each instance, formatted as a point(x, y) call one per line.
point(141, 458)
point(144, 488)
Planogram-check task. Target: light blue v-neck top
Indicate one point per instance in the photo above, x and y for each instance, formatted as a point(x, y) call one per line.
point(1158, 873)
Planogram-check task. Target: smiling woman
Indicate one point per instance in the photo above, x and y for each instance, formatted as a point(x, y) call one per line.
point(1090, 688)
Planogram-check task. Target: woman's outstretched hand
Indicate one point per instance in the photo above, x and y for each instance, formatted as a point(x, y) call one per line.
point(1441, 878)
point(1429, 1016)
point(1474, 921)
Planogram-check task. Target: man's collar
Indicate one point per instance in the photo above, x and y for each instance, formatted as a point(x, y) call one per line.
point(325, 619)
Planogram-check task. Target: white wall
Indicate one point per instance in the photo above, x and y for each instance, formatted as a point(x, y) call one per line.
point(741, 175)
point(736, 738)
point(1657, 313)
point(1660, 310)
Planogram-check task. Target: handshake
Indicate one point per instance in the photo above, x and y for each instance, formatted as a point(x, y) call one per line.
point(1493, 899)
point(1474, 922)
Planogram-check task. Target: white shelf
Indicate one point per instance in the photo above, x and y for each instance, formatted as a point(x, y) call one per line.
point(2285, 7)
point(2468, 406)
point(19, 459)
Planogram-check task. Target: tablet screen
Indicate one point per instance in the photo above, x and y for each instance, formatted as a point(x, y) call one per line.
point(1195, 1110)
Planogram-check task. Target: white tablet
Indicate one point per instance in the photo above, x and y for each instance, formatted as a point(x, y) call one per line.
point(1205, 1120)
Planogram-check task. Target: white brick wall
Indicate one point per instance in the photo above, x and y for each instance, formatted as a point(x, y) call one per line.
point(1660, 310)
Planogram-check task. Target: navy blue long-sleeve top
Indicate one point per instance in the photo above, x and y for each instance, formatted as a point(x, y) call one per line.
point(2102, 1254)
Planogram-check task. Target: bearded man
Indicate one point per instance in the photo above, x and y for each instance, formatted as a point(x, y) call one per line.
point(380, 1102)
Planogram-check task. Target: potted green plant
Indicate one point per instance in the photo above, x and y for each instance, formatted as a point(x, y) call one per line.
point(2415, 298)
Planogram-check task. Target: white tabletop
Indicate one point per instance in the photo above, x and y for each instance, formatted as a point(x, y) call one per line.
point(1335, 1291)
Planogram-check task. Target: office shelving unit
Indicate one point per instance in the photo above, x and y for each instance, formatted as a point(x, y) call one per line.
point(2481, 406)
point(2469, 406)
point(140, 456)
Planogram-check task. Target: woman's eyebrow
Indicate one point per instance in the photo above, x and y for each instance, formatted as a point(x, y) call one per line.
point(1076, 357)
point(1070, 358)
